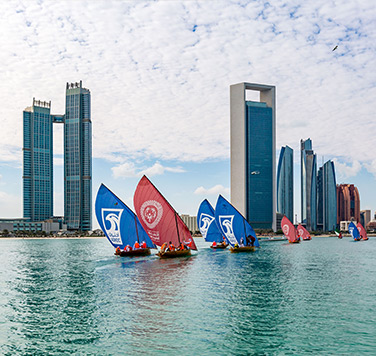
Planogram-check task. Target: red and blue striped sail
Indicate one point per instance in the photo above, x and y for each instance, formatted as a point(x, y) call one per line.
point(354, 231)
point(206, 223)
point(232, 224)
point(118, 222)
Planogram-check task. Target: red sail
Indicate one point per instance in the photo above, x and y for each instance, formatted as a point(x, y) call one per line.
point(160, 220)
point(289, 230)
point(362, 231)
point(303, 233)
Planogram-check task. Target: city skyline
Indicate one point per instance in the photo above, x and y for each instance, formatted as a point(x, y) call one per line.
point(161, 92)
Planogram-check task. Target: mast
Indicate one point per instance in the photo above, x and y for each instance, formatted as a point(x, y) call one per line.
point(135, 222)
point(177, 227)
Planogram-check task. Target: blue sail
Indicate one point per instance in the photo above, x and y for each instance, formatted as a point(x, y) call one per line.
point(119, 223)
point(353, 230)
point(232, 224)
point(206, 223)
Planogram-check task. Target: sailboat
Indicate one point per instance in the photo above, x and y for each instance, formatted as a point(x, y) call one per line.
point(362, 232)
point(354, 232)
point(208, 227)
point(235, 227)
point(303, 233)
point(120, 224)
point(160, 220)
point(289, 230)
point(338, 233)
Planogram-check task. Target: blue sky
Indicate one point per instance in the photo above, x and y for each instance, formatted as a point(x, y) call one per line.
point(159, 74)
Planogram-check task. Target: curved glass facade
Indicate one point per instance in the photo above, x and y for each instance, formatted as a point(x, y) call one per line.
point(285, 183)
point(329, 197)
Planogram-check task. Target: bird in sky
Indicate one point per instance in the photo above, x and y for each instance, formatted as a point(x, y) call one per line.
point(334, 48)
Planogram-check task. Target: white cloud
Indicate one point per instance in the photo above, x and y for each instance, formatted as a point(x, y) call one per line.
point(344, 170)
point(216, 190)
point(371, 167)
point(128, 170)
point(159, 72)
point(9, 205)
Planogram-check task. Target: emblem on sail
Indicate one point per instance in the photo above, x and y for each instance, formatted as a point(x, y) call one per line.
point(151, 213)
point(226, 226)
point(285, 229)
point(205, 222)
point(300, 231)
point(111, 223)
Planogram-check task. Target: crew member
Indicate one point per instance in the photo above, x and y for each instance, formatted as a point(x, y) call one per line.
point(127, 248)
point(136, 245)
point(164, 247)
point(171, 247)
point(143, 245)
point(214, 244)
point(117, 251)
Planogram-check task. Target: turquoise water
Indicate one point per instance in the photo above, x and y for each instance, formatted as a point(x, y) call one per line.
point(74, 297)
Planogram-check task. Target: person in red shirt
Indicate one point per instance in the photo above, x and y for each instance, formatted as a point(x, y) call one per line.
point(143, 245)
point(136, 245)
point(214, 244)
point(127, 248)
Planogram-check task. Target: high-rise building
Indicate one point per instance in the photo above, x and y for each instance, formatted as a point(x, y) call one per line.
point(285, 183)
point(308, 184)
point(348, 203)
point(326, 197)
point(253, 186)
point(77, 158)
point(365, 217)
point(37, 162)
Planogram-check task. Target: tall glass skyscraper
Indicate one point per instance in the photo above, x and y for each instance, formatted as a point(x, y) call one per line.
point(329, 197)
point(285, 183)
point(37, 162)
point(77, 158)
point(253, 190)
point(308, 185)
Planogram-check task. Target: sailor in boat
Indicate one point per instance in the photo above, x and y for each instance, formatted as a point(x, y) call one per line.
point(236, 246)
point(188, 244)
point(127, 248)
point(136, 245)
point(143, 245)
point(163, 248)
point(214, 244)
point(171, 247)
point(241, 242)
point(182, 247)
point(250, 240)
point(117, 251)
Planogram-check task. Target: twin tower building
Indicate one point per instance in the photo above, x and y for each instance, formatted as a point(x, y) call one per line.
point(38, 159)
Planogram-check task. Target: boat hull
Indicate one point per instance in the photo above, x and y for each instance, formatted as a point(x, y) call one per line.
point(242, 249)
point(219, 246)
point(134, 253)
point(294, 242)
point(173, 254)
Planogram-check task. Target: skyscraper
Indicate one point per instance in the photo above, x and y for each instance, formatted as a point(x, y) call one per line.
point(77, 158)
point(327, 197)
point(348, 203)
point(253, 188)
point(308, 184)
point(285, 183)
point(37, 162)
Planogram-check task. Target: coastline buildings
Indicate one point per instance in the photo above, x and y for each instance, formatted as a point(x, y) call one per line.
point(348, 203)
point(253, 136)
point(37, 162)
point(285, 183)
point(77, 158)
point(308, 185)
point(327, 197)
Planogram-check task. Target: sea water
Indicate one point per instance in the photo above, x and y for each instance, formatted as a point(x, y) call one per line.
point(73, 296)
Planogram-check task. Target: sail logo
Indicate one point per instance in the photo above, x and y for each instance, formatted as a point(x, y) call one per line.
point(225, 222)
point(205, 222)
point(286, 229)
point(300, 232)
point(151, 213)
point(111, 222)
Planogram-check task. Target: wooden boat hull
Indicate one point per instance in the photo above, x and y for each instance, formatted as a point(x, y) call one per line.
point(219, 246)
point(307, 239)
point(294, 242)
point(134, 253)
point(173, 254)
point(242, 249)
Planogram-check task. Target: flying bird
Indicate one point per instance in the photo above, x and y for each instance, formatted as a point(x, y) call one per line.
point(334, 48)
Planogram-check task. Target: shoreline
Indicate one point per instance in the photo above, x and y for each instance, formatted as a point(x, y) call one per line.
point(51, 238)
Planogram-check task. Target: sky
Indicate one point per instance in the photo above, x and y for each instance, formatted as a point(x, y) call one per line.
point(159, 74)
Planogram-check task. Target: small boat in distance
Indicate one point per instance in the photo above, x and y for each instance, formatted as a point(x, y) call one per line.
point(289, 231)
point(161, 222)
point(208, 227)
point(235, 227)
point(362, 232)
point(353, 230)
point(120, 224)
point(338, 233)
point(303, 233)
